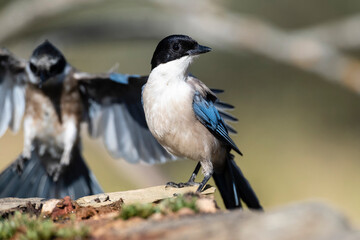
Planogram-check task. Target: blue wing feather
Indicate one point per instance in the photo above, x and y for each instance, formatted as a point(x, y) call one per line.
point(209, 116)
point(122, 78)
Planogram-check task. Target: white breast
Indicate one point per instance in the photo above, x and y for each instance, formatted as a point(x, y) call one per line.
point(167, 99)
point(166, 105)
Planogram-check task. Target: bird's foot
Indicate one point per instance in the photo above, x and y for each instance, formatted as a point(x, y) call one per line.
point(55, 171)
point(181, 184)
point(19, 163)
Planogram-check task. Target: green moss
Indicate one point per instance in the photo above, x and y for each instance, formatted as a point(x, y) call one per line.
point(24, 226)
point(138, 210)
point(177, 203)
point(170, 205)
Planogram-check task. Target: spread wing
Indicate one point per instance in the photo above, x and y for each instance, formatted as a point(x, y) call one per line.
point(13, 79)
point(207, 109)
point(115, 113)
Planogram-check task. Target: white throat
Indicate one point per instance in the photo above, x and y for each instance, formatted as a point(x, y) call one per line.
point(176, 70)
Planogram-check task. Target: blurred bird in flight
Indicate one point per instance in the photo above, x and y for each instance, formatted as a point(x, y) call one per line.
point(54, 99)
point(181, 113)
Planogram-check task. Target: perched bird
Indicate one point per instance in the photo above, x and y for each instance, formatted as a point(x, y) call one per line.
point(181, 113)
point(54, 99)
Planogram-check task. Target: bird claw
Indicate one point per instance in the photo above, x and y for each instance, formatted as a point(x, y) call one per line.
point(19, 163)
point(56, 171)
point(181, 184)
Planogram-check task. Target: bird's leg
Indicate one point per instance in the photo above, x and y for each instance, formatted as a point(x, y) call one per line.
point(203, 182)
point(194, 174)
point(191, 181)
point(70, 136)
point(208, 170)
point(29, 136)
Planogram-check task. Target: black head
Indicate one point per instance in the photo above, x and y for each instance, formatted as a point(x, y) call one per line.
point(46, 61)
point(174, 47)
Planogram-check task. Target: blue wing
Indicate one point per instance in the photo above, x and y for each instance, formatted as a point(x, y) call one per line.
point(115, 113)
point(222, 107)
point(209, 116)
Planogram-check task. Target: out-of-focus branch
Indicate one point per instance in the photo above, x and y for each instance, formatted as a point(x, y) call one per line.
point(343, 33)
point(209, 22)
point(20, 13)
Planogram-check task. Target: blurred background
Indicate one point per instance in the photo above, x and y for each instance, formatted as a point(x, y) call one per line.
point(290, 68)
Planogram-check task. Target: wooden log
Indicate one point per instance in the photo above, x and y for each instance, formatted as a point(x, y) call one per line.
point(145, 195)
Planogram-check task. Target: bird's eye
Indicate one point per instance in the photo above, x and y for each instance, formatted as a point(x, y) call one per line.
point(176, 47)
point(58, 67)
point(33, 68)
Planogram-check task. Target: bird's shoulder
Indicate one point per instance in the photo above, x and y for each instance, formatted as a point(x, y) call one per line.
point(200, 88)
point(12, 68)
point(8, 59)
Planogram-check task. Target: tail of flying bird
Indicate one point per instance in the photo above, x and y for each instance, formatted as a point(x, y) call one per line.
point(234, 187)
point(76, 181)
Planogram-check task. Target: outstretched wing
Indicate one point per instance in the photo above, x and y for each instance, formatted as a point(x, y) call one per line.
point(13, 79)
point(115, 113)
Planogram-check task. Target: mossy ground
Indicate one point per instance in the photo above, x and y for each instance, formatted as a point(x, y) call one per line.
point(30, 227)
point(74, 226)
point(166, 206)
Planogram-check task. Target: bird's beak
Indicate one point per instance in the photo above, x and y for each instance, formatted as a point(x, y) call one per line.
point(43, 77)
point(199, 49)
